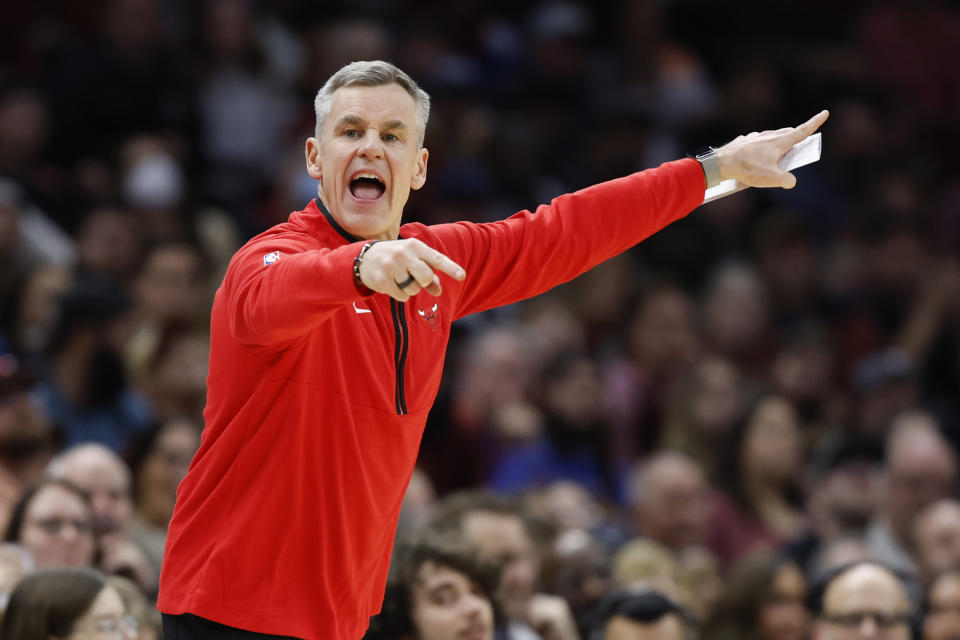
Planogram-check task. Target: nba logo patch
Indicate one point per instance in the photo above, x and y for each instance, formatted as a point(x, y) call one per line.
point(270, 258)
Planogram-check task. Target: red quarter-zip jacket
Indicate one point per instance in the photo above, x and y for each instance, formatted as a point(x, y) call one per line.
point(317, 398)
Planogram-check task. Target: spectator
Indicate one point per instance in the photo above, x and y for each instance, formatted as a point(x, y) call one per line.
point(640, 615)
point(105, 478)
point(668, 499)
point(862, 600)
point(765, 599)
point(87, 392)
point(54, 521)
point(35, 313)
point(661, 342)
point(643, 563)
point(844, 485)
point(109, 245)
point(500, 532)
point(921, 469)
point(736, 317)
point(703, 411)
point(27, 438)
point(65, 603)
point(576, 444)
point(159, 458)
point(169, 295)
point(175, 377)
point(936, 539)
point(578, 570)
point(138, 608)
point(761, 507)
point(437, 589)
point(942, 619)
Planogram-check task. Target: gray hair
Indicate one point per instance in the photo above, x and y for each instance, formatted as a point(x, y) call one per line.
point(371, 74)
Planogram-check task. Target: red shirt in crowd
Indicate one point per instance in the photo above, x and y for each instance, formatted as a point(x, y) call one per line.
point(317, 398)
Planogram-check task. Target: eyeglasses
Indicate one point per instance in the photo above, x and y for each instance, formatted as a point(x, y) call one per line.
point(53, 526)
point(855, 619)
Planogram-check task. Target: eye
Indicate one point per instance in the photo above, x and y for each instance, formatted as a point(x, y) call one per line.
point(390, 137)
point(351, 133)
point(444, 597)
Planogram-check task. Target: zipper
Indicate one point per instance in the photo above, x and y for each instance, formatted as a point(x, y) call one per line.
point(399, 353)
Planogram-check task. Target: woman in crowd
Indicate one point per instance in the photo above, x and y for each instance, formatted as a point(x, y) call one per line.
point(764, 600)
point(942, 620)
point(761, 505)
point(66, 603)
point(159, 459)
point(53, 520)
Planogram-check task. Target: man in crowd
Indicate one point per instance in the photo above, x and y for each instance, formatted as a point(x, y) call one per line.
point(639, 615)
point(327, 343)
point(106, 480)
point(863, 600)
point(499, 532)
point(921, 469)
point(668, 500)
point(438, 588)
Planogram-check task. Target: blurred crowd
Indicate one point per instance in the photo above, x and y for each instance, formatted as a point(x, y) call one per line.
point(735, 430)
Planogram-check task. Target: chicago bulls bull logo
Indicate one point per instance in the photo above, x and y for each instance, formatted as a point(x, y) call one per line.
point(431, 316)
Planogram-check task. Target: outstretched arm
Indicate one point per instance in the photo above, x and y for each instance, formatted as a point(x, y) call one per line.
point(529, 253)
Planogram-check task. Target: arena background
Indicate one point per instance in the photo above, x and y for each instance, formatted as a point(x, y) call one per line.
point(781, 332)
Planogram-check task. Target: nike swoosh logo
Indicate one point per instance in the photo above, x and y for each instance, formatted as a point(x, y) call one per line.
point(359, 310)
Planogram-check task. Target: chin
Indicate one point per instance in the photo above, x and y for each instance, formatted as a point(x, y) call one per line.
point(366, 224)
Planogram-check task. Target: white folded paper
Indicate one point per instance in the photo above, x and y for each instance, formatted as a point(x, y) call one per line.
point(805, 152)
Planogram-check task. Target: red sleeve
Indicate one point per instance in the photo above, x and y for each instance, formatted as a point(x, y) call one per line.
point(279, 287)
point(529, 253)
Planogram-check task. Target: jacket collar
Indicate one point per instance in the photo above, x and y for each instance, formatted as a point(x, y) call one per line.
point(333, 223)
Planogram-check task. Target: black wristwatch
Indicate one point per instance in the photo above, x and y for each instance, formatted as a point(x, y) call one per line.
point(707, 157)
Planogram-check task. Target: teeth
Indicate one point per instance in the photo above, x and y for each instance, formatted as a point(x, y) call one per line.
point(366, 175)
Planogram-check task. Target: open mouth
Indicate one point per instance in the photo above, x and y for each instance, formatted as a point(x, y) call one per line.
point(366, 186)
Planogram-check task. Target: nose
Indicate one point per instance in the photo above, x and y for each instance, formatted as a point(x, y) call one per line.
point(69, 532)
point(371, 147)
point(473, 604)
point(868, 628)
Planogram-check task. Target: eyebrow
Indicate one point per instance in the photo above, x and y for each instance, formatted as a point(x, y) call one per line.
point(350, 119)
point(355, 120)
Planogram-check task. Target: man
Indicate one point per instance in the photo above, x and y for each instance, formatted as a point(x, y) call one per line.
point(325, 359)
point(861, 601)
point(668, 500)
point(921, 469)
point(639, 615)
point(500, 533)
point(438, 589)
point(106, 480)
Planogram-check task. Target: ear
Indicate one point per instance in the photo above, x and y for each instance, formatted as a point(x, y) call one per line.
point(312, 153)
point(420, 175)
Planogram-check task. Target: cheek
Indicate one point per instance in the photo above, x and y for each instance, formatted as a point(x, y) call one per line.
point(433, 622)
point(35, 539)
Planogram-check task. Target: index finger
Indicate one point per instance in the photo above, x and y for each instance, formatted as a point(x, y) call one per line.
point(808, 127)
point(442, 263)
